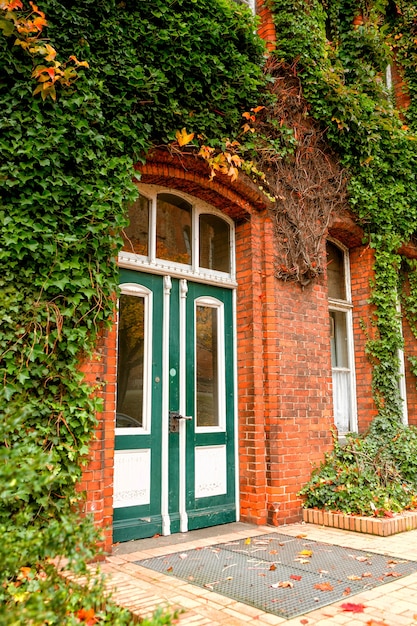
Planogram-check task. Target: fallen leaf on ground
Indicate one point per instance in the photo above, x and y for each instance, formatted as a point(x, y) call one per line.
point(305, 553)
point(273, 552)
point(169, 569)
point(393, 574)
point(353, 608)
point(373, 622)
point(354, 577)
point(347, 591)
point(367, 575)
point(324, 586)
point(248, 541)
point(295, 577)
point(361, 559)
point(304, 561)
point(273, 567)
point(301, 536)
point(303, 621)
point(183, 556)
point(283, 583)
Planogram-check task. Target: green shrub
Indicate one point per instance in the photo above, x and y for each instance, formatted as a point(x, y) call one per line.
point(373, 474)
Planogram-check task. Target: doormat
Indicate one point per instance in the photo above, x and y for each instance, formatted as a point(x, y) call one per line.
point(282, 575)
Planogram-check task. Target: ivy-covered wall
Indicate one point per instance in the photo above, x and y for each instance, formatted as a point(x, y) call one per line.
point(66, 169)
point(341, 50)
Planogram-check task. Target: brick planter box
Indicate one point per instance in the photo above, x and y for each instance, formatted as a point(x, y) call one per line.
point(383, 526)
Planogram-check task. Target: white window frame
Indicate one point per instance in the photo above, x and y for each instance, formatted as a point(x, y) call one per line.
point(214, 303)
point(150, 263)
point(132, 289)
point(346, 307)
point(250, 3)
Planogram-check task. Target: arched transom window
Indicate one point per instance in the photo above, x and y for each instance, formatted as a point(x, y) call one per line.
point(173, 231)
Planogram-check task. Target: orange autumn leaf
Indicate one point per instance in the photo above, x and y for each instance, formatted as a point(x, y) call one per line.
point(183, 137)
point(323, 587)
point(12, 5)
point(295, 577)
point(24, 572)
point(273, 567)
point(88, 616)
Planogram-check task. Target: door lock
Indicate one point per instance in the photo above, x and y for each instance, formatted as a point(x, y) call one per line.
point(174, 421)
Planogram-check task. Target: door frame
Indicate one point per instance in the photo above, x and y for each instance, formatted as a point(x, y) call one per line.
point(167, 271)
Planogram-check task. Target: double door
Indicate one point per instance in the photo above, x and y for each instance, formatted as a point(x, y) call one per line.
point(175, 422)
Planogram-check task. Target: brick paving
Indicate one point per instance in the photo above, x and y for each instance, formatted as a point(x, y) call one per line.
point(143, 590)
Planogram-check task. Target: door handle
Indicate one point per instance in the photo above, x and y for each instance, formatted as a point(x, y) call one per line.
point(174, 421)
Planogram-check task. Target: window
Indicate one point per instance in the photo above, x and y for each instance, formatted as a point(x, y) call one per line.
point(173, 228)
point(214, 243)
point(251, 4)
point(341, 338)
point(171, 231)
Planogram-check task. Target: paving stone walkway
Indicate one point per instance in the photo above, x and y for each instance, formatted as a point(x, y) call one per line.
point(143, 590)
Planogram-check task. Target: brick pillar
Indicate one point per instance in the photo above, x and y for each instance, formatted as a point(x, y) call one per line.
point(410, 349)
point(251, 406)
point(300, 428)
point(266, 28)
point(361, 272)
point(97, 481)
point(402, 96)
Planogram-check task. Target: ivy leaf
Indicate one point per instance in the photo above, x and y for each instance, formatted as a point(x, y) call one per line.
point(7, 27)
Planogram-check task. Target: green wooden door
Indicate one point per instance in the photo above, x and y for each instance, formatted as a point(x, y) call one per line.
point(175, 444)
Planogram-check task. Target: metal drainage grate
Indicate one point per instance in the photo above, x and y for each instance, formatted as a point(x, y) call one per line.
point(286, 576)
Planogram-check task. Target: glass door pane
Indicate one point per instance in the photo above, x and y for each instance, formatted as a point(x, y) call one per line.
point(130, 362)
point(206, 364)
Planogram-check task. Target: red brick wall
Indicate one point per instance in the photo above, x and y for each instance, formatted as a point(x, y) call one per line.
point(300, 430)
point(361, 271)
point(98, 476)
point(250, 370)
point(284, 379)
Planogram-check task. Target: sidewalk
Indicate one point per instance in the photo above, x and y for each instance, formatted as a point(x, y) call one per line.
point(143, 590)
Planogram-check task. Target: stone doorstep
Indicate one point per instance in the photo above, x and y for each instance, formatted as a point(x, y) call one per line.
point(382, 526)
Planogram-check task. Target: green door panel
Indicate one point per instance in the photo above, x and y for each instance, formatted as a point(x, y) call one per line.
point(200, 376)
